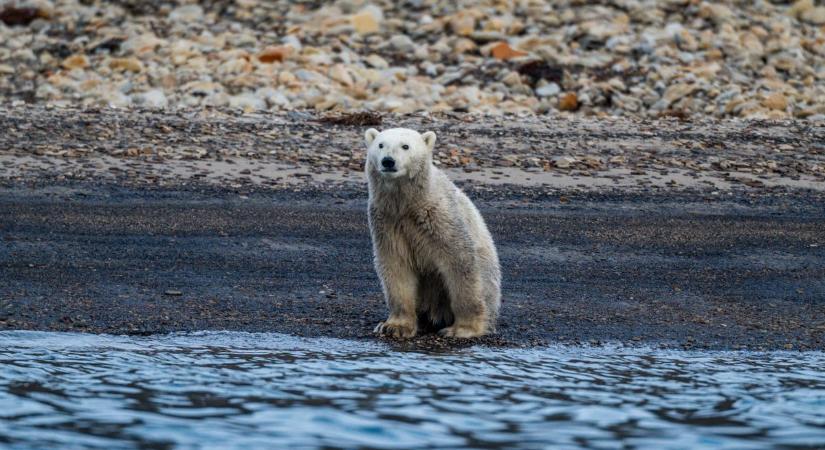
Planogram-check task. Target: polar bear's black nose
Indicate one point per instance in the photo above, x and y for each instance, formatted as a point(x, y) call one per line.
point(388, 162)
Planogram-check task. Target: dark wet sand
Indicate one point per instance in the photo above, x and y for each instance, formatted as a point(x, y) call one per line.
point(672, 269)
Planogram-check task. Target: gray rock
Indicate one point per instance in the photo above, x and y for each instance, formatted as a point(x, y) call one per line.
point(564, 162)
point(186, 13)
point(151, 99)
point(548, 90)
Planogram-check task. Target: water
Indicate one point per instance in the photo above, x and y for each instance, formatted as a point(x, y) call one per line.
point(240, 390)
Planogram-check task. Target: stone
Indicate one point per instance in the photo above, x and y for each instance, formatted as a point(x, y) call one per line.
point(463, 24)
point(126, 64)
point(141, 44)
point(77, 61)
point(503, 51)
point(564, 162)
point(677, 91)
point(686, 41)
point(402, 43)
point(800, 7)
point(247, 102)
point(752, 44)
point(569, 102)
point(776, 101)
point(464, 45)
point(377, 61)
point(367, 20)
point(155, 99)
point(593, 162)
point(19, 16)
point(601, 31)
point(340, 74)
point(203, 88)
point(186, 13)
point(717, 12)
point(532, 161)
point(274, 98)
point(115, 99)
point(273, 54)
point(548, 90)
point(509, 160)
point(292, 41)
point(512, 78)
point(815, 16)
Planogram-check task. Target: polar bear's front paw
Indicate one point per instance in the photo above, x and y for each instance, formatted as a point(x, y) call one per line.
point(396, 328)
point(462, 331)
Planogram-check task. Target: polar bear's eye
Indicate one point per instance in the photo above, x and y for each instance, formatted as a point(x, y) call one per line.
point(380, 145)
point(405, 147)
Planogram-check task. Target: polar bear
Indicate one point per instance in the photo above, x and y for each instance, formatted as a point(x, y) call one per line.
point(432, 251)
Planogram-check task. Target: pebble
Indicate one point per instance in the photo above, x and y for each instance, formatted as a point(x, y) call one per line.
point(815, 16)
point(76, 62)
point(154, 99)
point(564, 162)
point(274, 54)
point(776, 101)
point(187, 13)
point(402, 43)
point(247, 102)
point(367, 20)
point(130, 64)
point(503, 51)
point(548, 90)
point(569, 102)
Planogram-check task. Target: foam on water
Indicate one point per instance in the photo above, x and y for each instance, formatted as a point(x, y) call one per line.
point(247, 390)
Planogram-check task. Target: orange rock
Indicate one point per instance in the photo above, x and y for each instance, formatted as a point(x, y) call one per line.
point(272, 54)
point(776, 101)
point(569, 102)
point(503, 51)
point(76, 62)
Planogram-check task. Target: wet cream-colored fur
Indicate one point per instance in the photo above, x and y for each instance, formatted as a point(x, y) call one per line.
point(433, 253)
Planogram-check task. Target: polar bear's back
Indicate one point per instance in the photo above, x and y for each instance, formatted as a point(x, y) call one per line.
point(466, 212)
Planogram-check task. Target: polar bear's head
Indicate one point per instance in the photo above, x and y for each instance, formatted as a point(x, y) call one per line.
point(398, 152)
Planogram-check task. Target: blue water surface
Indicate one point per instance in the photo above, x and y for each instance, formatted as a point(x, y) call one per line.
point(243, 390)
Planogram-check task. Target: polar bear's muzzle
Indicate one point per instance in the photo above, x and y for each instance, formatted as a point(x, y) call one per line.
point(388, 164)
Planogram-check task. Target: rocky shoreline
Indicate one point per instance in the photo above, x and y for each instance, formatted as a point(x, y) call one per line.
point(631, 58)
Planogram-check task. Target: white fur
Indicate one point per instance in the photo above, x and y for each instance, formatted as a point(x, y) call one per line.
point(433, 253)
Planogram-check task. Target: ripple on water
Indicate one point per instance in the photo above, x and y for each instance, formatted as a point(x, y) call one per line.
point(242, 390)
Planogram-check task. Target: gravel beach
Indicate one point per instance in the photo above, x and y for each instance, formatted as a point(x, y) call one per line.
point(703, 234)
point(653, 171)
point(673, 270)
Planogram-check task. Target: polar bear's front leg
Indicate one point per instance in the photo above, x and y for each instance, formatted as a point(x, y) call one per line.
point(400, 288)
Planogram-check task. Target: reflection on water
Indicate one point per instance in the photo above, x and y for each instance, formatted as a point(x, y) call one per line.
point(240, 390)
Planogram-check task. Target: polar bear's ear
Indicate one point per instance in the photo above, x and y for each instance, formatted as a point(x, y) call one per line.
point(370, 135)
point(429, 140)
